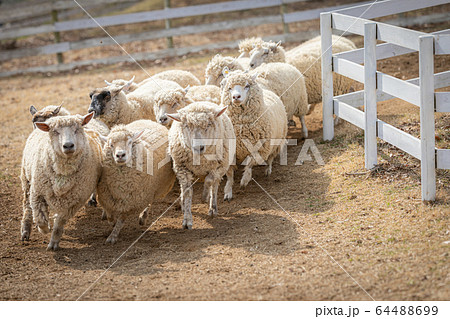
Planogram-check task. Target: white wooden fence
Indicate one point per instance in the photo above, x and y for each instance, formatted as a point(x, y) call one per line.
point(57, 27)
point(380, 87)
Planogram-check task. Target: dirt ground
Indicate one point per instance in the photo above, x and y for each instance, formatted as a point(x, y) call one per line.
point(334, 234)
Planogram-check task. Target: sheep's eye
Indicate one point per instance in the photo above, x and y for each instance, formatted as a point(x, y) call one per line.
point(90, 95)
point(174, 105)
point(247, 86)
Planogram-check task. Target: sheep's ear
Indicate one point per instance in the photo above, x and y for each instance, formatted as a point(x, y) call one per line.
point(225, 72)
point(128, 84)
point(175, 117)
point(278, 43)
point(32, 110)
point(87, 118)
point(137, 135)
point(108, 83)
point(42, 126)
point(241, 55)
point(186, 89)
point(221, 111)
point(254, 76)
point(56, 111)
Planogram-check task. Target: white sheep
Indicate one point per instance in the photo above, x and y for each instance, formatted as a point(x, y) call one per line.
point(248, 44)
point(134, 172)
point(306, 58)
point(201, 144)
point(289, 84)
point(170, 101)
point(259, 119)
point(213, 71)
point(61, 166)
point(113, 106)
point(46, 113)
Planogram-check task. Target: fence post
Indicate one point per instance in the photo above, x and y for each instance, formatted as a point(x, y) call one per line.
point(168, 25)
point(283, 10)
point(370, 94)
point(59, 56)
point(327, 76)
point(427, 133)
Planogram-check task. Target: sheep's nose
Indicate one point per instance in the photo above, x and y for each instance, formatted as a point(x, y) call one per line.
point(236, 96)
point(252, 65)
point(120, 155)
point(163, 119)
point(68, 146)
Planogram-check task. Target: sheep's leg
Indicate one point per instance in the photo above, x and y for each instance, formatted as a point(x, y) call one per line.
point(27, 219)
point(143, 216)
point(213, 198)
point(205, 194)
point(112, 238)
point(93, 201)
point(229, 185)
point(247, 176)
point(40, 212)
point(186, 199)
point(58, 229)
point(304, 128)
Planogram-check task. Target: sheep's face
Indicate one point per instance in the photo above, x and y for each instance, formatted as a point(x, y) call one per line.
point(66, 133)
point(168, 102)
point(213, 72)
point(199, 127)
point(236, 88)
point(120, 146)
point(266, 53)
point(101, 101)
point(43, 115)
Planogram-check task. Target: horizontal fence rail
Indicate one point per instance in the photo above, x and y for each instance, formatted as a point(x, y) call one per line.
point(360, 65)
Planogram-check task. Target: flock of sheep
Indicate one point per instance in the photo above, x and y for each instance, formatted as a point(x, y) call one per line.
point(139, 137)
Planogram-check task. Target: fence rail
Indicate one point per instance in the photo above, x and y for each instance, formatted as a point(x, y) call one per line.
point(169, 32)
point(380, 87)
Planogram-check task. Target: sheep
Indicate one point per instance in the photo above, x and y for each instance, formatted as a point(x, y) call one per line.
point(248, 44)
point(183, 78)
point(61, 166)
point(46, 113)
point(113, 107)
point(172, 100)
point(259, 119)
point(193, 126)
point(131, 181)
point(289, 84)
point(306, 58)
point(213, 71)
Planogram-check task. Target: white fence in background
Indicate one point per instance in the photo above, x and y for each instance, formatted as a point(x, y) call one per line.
point(380, 87)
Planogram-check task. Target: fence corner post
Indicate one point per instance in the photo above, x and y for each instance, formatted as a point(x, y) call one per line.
point(168, 24)
point(427, 129)
point(57, 35)
point(370, 94)
point(327, 76)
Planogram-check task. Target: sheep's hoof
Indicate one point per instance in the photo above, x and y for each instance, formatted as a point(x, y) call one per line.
point(92, 202)
point(53, 245)
point(244, 183)
point(142, 220)
point(111, 240)
point(228, 197)
point(104, 217)
point(292, 123)
point(25, 235)
point(187, 225)
point(213, 212)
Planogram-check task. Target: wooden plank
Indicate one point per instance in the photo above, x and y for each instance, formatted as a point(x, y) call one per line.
point(349, 113)
point(172, 13)
point(327, 76)
point(348, 69)
point(357, 98)
point(312, 14)
point(427, 129)
point(443, 158)
point(127, 38)
point(370, 95)
point(384, 51)
point(387, 7)
point(398, 138)
point(385, 32)
point(442, 100)
point(17, 33)
point(399, 88)
point(10, 13)
point(442, 44)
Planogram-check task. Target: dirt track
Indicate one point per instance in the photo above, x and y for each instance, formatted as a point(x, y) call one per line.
point(374, 226)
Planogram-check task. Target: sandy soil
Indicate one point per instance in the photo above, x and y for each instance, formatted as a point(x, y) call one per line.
point(324, 233)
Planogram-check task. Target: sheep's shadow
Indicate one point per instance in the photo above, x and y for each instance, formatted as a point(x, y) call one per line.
point(252, 221)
